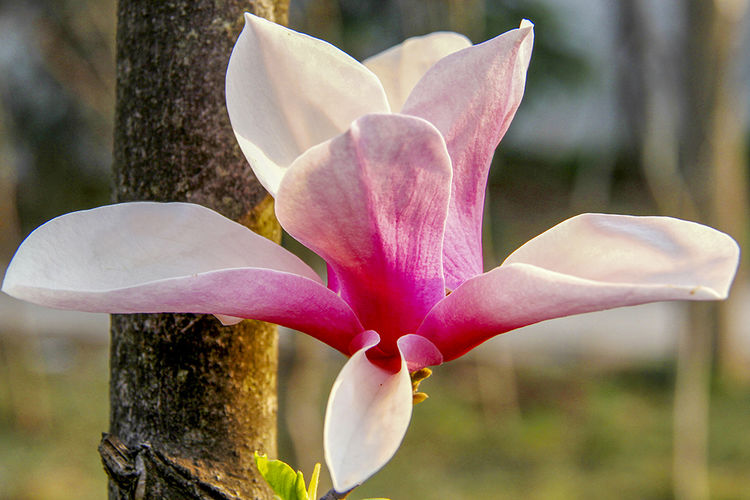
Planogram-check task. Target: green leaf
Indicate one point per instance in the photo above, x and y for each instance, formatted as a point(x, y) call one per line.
point(286, 483)
point(312, 491)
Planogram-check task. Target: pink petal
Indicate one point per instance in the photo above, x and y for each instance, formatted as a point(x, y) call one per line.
point(365, 340)
point(173, 257)
point(588, 263)
point(471, 97)
point(367, 417)
point(400, 68)
point(372, 203)
point(418, 352)
point(287, 91)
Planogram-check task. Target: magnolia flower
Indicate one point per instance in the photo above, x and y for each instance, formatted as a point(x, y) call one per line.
point(287, 91)
point(392, 202)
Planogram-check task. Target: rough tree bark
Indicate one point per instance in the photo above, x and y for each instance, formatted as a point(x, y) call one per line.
point(190, 400)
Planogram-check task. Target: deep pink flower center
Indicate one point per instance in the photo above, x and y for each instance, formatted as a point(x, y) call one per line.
point(385, 360)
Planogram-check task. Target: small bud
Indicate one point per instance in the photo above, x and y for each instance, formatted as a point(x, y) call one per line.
point(418, 397)
point(416, 378)
point(419, 375)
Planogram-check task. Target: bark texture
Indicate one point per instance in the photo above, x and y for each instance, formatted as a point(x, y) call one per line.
point(190, 400)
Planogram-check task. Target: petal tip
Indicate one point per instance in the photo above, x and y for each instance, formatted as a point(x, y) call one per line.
point(252, 19)
point(367, 416)
point(419, 352)
point(7, 289)
point(7, 283)
point(227, 320)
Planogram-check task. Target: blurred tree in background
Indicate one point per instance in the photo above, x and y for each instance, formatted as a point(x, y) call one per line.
point(57, 100)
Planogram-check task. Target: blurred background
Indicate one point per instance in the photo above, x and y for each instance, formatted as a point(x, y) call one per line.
point(632, 106)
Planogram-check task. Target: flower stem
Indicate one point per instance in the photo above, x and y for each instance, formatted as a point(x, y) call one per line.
point(335, 495)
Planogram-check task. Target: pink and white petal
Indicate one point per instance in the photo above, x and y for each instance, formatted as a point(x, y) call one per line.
point(418, 352)
point(471, 96)
point(118, 246)
point(368, 413)
point(263, 294)
point(173, 257)
point(588, 263)
point(287, 91)
point(626, 249)
point(372, 202)
point(400, 67)
point(365, 340)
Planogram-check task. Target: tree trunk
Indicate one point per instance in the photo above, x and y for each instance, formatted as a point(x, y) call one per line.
point(190, 400)
point(712, 153)
point(729, 200)
point(10, 232)
point(689, 132)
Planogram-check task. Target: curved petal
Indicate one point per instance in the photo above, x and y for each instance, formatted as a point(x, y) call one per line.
point(372, 202)
point(365, 340)
point(287, 91)
point(587, 263)
point(471, 96)
point(368, 413)
point(418, 352)
point(117, 246)
point(400, 67)
point(173, 257)
point(631, 249)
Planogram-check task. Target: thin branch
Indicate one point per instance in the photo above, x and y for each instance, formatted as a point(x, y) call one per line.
point(335, 495)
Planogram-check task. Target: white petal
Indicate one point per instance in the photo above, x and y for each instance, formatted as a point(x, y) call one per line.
point(119, 246)
point(367, 416)
point(401, 67)
point(643, 250)
point(287, 91)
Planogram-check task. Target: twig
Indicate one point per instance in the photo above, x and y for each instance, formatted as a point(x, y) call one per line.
point(335, 495)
